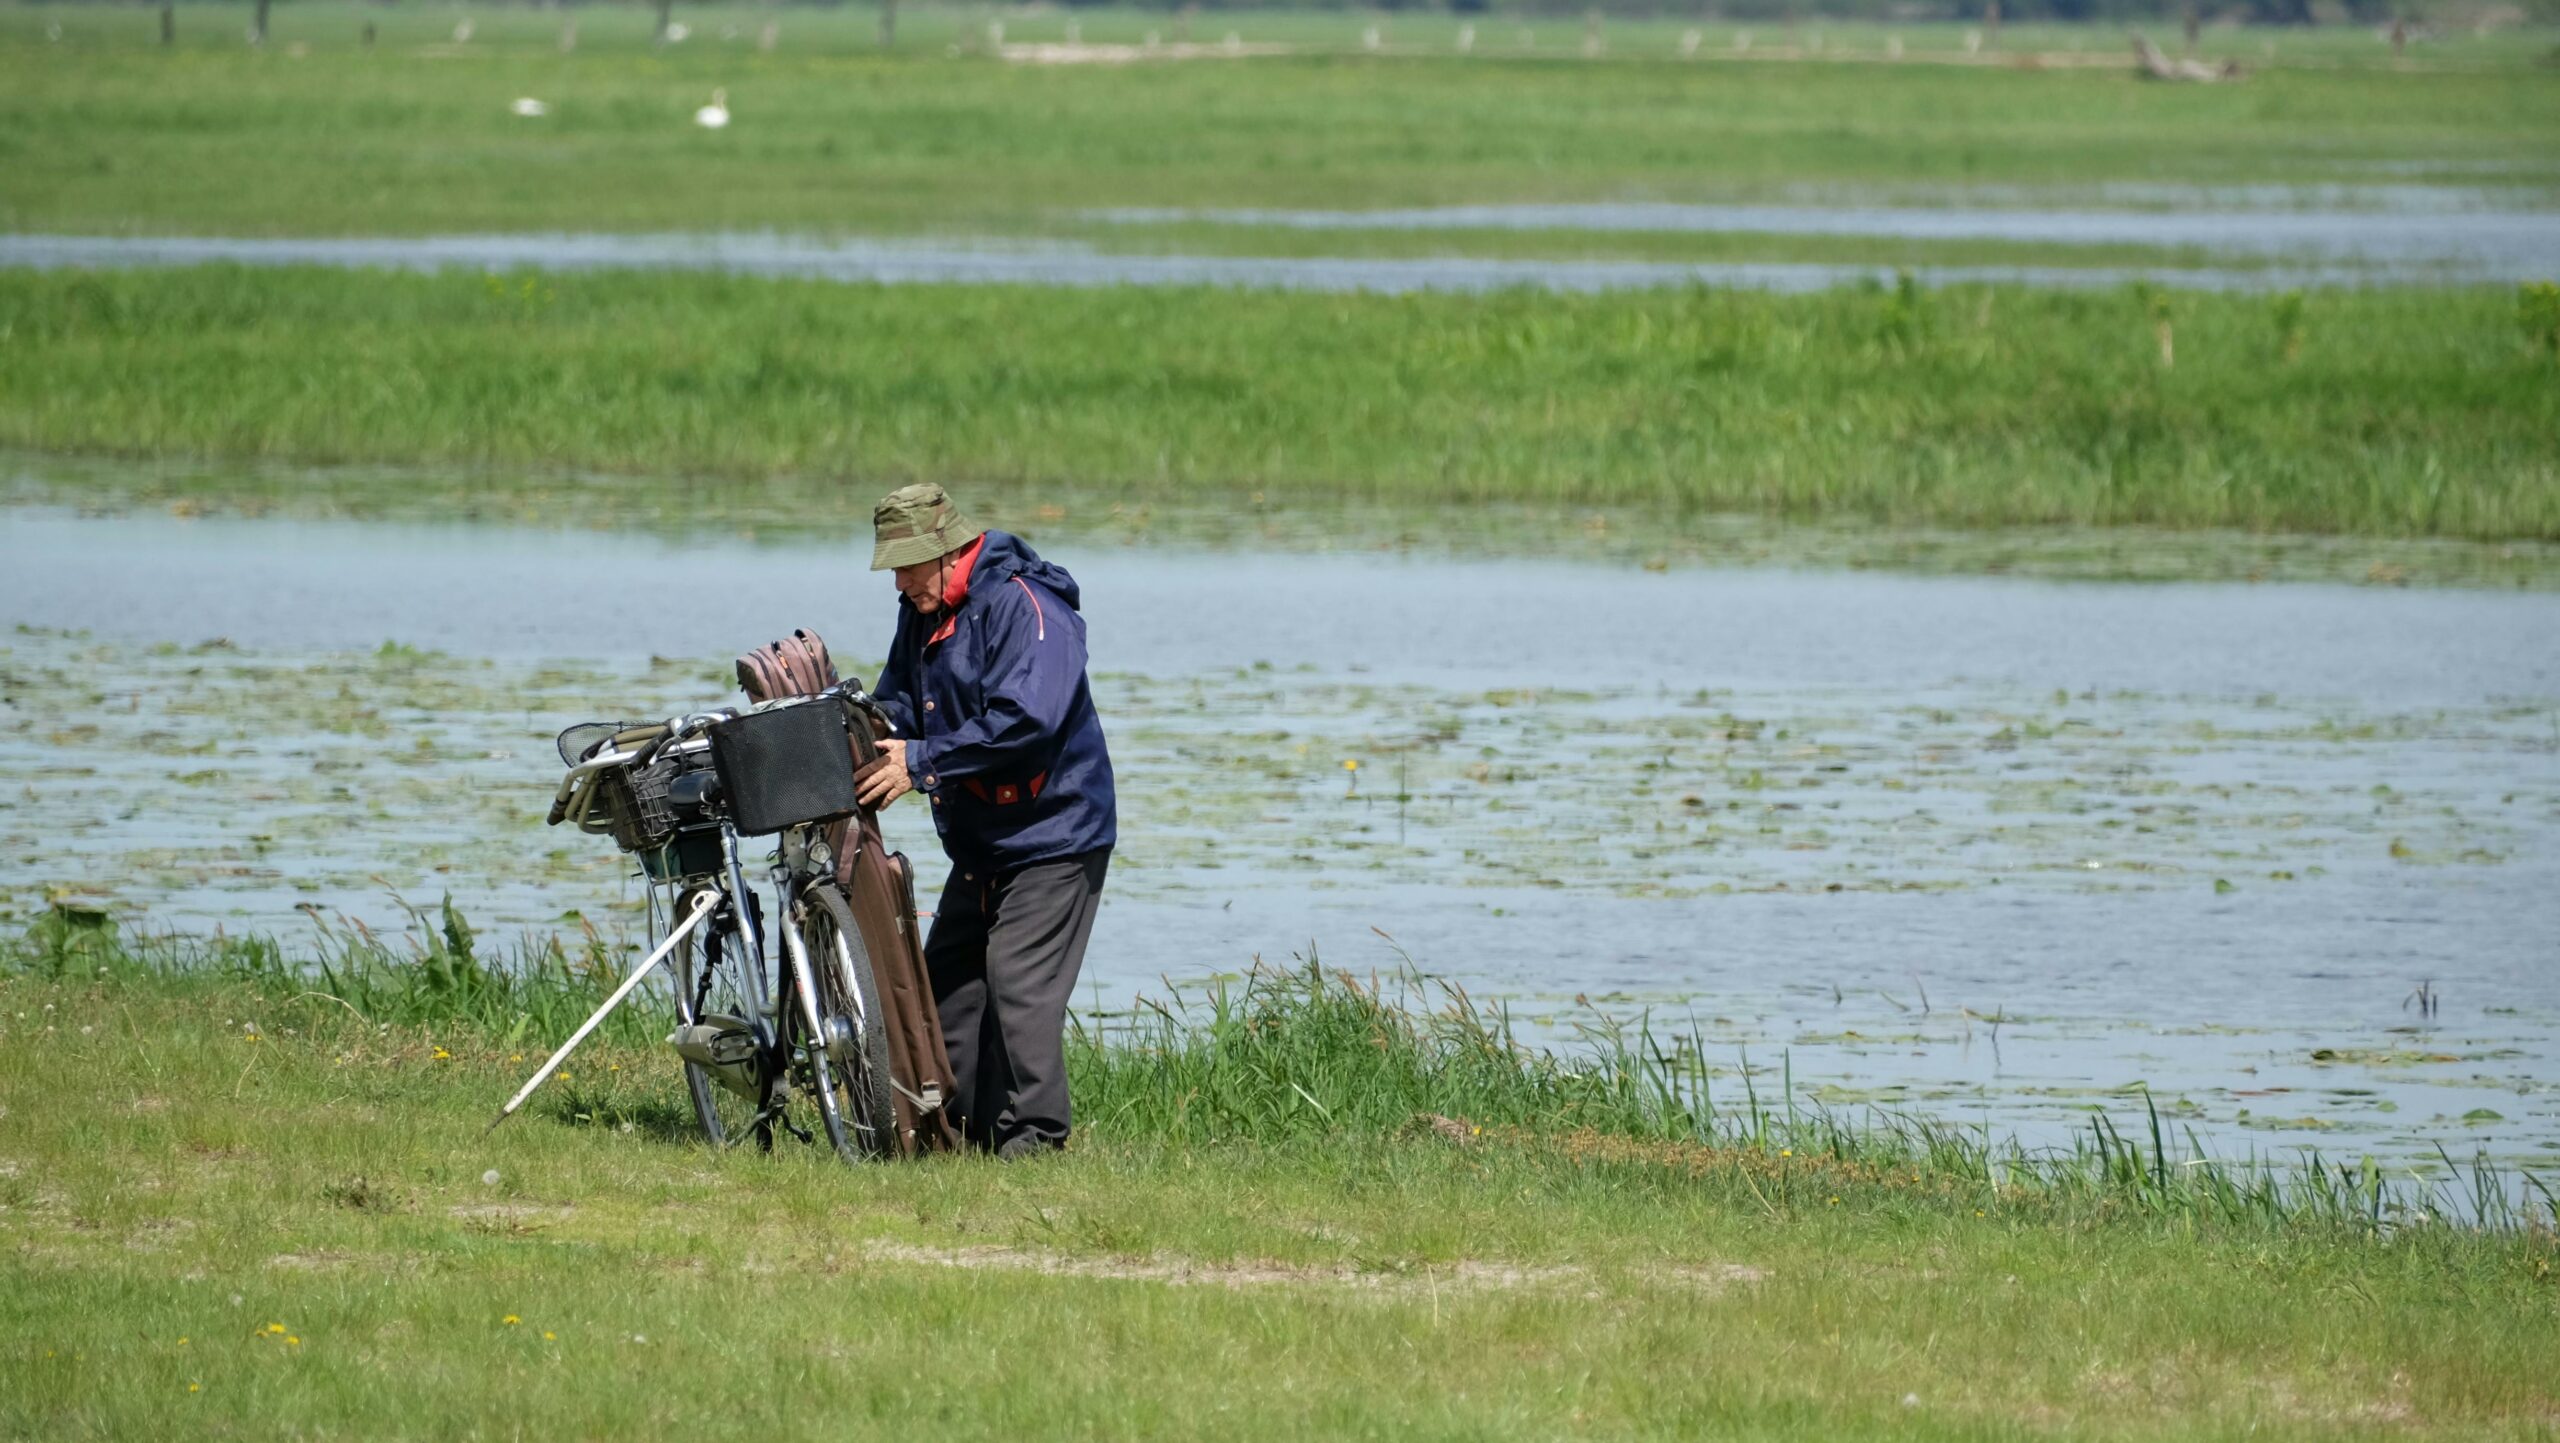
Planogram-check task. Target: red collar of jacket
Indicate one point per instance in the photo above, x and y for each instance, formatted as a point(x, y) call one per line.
point(955, 589)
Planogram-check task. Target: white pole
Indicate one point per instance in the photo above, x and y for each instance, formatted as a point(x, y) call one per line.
point(702, 904)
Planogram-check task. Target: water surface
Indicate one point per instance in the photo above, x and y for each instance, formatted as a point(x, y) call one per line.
point(2468, 244)
point(880, 262)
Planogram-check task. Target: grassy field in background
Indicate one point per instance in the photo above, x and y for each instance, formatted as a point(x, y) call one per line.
point(102, 131)
point(2387, 413)
point(245, 1198)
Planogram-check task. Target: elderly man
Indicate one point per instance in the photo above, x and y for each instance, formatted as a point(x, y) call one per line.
point(986, 683)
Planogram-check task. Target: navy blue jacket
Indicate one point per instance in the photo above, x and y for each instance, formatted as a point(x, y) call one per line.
point(1002, 737)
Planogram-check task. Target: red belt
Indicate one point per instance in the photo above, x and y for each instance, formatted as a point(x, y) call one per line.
point(1004, 794)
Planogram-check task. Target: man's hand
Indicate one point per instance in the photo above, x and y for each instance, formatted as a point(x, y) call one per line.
point(888, 781)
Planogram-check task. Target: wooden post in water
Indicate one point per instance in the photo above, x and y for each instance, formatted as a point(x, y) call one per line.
point(1991, 24)
point(888, 24)
point(258, 25)
point(168, 22)
point(666, 17)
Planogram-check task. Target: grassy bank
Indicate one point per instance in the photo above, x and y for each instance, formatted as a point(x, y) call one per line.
point(103, 131)
point(244, 1197)
point(2380, 414)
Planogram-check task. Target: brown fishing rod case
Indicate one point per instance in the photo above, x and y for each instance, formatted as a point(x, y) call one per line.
point(880, 884)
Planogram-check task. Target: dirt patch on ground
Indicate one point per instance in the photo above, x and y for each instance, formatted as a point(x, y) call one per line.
point(152, 1236)
point(511, 1217)
point(310, 1262)
point(1463, 1275)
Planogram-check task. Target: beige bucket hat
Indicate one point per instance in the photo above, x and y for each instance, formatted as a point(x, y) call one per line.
point(918, 523)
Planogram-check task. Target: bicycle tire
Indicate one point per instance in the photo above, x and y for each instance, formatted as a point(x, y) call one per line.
point(814, 1068)
point(860, 1111)
point(704, 985)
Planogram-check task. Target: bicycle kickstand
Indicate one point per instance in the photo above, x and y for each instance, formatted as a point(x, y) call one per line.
point(702, 904)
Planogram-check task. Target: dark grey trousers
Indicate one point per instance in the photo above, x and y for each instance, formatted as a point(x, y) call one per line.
point(1004, 953)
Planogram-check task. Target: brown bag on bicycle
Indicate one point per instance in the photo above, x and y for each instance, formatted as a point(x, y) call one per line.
point(880, 885)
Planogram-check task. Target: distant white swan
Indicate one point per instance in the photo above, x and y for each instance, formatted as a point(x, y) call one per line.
point(529, 107)
point(714, 116)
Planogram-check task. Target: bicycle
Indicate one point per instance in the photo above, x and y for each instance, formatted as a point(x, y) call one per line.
point(755, 1037)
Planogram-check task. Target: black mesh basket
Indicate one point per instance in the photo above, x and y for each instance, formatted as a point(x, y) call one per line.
point(635, 800)
point(781, 766)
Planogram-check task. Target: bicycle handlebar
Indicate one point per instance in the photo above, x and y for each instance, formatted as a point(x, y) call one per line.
point(577, 789)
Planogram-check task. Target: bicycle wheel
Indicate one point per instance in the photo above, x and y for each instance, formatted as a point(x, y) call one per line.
point(713, 989)
point(861, 1117)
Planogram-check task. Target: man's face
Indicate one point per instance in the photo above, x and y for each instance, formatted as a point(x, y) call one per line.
point(921, 584)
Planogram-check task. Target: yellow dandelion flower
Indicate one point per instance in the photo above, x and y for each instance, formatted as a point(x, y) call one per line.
point(182, 1342)
point(550, 1337)
point(564, 1077)
point(276, 1328)
point(1350, 764)
point(292, 1341)
point(443, 1056)
point(518, 1057)
point(1786, 1152)
point(195, 1387)
point(1835, 1202)
point(511, 1320)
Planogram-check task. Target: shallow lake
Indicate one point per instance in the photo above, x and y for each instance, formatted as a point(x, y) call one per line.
point(2480, 244)
point(1996, 850)
point(893, 262)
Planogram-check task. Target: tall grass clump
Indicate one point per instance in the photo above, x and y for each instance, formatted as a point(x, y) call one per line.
point(437, 976)
point(1301, 1052)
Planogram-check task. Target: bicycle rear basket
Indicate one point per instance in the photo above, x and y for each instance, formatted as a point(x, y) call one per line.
point(786, 764)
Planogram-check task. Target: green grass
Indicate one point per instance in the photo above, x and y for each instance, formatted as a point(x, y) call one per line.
point(2399, 414)
point(105, 132)
point(242, 1198)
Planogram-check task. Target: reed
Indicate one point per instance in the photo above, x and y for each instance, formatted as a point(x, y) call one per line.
point(2380, 413)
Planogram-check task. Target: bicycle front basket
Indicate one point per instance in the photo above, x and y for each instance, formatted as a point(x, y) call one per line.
point(781, 766)
point(635, 798)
